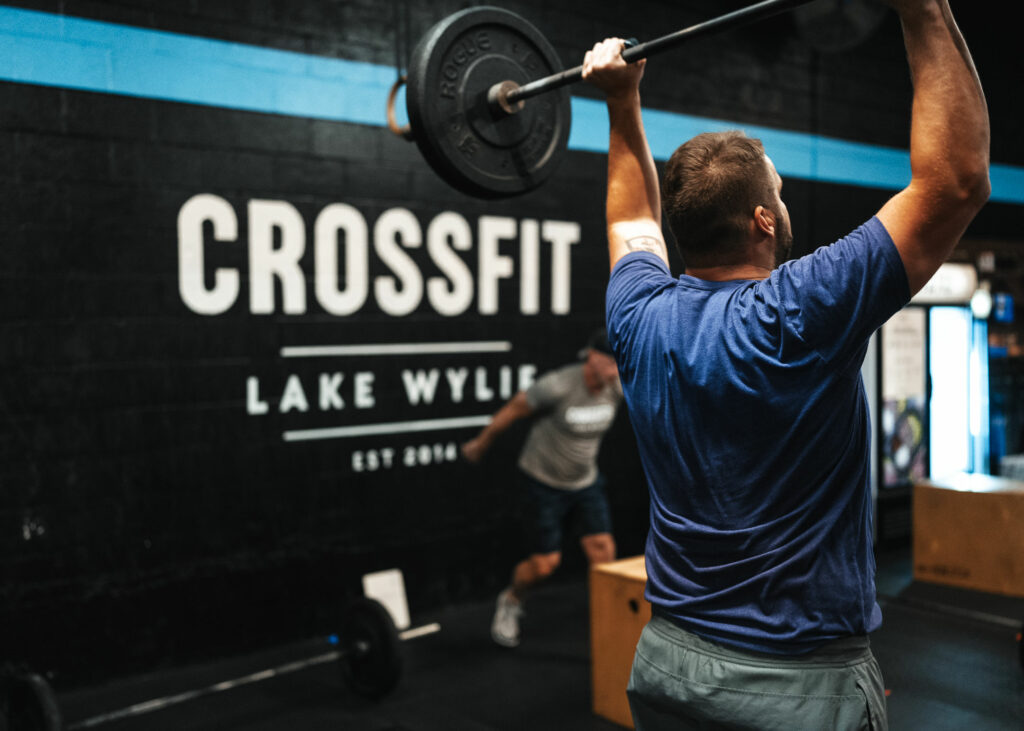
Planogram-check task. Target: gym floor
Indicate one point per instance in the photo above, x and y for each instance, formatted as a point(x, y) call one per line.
point(949, 658)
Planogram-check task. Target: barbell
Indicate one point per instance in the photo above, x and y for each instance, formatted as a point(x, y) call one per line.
point(467, 87)
point(368, 654)
point(27, 702)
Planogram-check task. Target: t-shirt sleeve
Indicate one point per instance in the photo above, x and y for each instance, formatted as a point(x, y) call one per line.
point(547, 390)
point(840, 294)
point(633, 279)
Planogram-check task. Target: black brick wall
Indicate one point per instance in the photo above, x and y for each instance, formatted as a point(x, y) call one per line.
point(145, 518)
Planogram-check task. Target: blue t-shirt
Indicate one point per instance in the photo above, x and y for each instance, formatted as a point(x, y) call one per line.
point(752, 425)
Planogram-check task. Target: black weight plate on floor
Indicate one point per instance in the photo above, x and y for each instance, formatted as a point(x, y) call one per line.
point(371, 657)
point(28, 703)
point(450, 71)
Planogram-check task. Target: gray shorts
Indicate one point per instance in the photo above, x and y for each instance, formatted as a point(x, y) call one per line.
point(681, 681)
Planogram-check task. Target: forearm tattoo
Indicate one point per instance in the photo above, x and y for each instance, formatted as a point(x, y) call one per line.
point(646, 243)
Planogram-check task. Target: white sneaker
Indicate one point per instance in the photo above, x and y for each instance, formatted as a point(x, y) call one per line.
point(505, 627)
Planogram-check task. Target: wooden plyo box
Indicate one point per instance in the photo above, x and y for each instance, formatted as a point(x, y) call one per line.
point(618, 613)
point(969, 532)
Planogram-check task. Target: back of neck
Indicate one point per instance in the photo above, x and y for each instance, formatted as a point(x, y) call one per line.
point(729, 272)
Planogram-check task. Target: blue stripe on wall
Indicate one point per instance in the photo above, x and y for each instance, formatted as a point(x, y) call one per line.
point(795, 154)
point(55, 50)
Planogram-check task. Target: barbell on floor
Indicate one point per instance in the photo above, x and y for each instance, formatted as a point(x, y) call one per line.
point(466, 90)
point(369, 648)
point(27, 702)
point(368, 654)
point(369, 657)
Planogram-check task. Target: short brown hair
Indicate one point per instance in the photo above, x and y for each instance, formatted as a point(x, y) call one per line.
point(712, 185)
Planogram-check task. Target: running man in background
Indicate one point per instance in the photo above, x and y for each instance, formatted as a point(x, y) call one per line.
point(572, 407)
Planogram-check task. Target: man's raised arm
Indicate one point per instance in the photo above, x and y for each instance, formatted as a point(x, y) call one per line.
point(949, 142)
point(633, 206)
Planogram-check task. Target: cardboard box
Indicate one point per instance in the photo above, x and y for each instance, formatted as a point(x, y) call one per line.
point(969, 532)
point(618, 613)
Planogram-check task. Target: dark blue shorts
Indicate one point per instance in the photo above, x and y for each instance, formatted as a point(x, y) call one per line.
point(549, 510)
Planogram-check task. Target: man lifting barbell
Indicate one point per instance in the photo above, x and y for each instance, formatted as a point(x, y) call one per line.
point(743, 386)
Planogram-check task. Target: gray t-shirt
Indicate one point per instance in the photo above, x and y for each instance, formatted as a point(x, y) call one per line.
point(561, 447)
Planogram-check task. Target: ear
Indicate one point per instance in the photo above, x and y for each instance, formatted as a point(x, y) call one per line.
point(764, 220)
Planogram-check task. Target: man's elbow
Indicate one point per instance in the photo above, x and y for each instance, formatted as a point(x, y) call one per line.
point(968, 190)
point(974, 178)
point(979, 188)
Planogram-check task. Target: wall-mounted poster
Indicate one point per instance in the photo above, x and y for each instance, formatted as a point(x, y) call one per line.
point(904, 396)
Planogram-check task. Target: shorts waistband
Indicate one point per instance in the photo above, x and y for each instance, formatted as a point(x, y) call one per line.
point(839, 652)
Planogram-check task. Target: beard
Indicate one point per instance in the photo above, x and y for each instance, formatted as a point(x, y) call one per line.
point(783, 241)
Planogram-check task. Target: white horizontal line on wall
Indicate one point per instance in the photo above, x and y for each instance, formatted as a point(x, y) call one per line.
point(396, 427)
point(319, 351)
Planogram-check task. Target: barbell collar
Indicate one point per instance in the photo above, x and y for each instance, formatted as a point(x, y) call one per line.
point(498, 97)
point(358, 648)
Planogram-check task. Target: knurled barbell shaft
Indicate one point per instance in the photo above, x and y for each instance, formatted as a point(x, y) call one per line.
point(359, 648)
point(736, 18)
